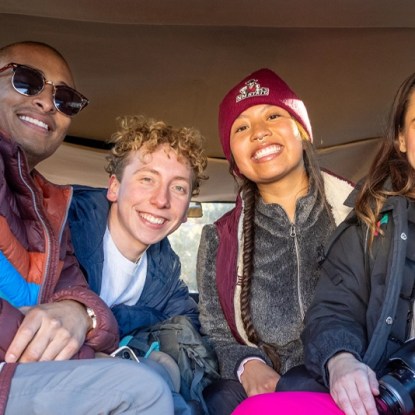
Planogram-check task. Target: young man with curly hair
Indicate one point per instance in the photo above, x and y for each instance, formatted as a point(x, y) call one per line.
point(120, 233)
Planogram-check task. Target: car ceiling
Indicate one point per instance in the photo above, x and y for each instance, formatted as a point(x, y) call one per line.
point(175, 60)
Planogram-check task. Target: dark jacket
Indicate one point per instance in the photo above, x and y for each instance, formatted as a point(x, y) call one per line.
point(363, 301)
point(164, 294)
point(35, 239)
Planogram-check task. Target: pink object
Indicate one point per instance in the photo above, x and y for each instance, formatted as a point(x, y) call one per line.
point(289, 403)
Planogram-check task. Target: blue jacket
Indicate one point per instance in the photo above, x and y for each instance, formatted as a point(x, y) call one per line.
point(14, 288)
point(164, 294)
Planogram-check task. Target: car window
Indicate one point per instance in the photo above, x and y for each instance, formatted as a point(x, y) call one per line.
point(185, 241)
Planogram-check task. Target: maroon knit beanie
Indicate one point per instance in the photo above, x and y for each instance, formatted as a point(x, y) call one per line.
point(261, 87)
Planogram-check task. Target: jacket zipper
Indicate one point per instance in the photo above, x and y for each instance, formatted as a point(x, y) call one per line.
point(45, 229)
point(293, 235)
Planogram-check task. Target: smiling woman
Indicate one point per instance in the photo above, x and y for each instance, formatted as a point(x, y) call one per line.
point(267, 147)
point(258, 264)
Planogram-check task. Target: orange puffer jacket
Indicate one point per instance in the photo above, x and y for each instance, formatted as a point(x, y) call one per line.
point(35, 238)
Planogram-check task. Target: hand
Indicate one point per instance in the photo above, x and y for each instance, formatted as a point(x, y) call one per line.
point(54, 331)
point(352, 385)
point(258, 378)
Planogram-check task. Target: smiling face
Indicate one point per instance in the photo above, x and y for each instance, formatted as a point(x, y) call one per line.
point(151, 200)
point(407, 135)
point(34, 122)
point(267, 147)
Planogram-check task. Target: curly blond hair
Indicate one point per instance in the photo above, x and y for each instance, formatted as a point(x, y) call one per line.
point(137, 131)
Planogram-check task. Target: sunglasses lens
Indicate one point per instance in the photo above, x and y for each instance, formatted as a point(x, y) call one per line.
point(30, 82)
point(68, 101)
point(26, 81)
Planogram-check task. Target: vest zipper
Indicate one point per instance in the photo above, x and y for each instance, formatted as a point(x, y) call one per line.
point(293, 235)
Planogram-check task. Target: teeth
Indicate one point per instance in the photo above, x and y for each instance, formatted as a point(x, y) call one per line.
point(34, 121)
point(267, 151)
point(152, 219)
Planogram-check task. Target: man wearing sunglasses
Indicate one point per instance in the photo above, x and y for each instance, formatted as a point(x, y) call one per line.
point(65, 319)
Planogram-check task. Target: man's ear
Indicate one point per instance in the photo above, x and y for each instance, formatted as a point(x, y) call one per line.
point(113, 188)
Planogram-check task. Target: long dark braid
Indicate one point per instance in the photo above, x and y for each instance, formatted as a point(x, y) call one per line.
point(250, 195)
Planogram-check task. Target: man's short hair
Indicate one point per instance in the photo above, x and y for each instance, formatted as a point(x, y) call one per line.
point(8, 48)
point(137, 131)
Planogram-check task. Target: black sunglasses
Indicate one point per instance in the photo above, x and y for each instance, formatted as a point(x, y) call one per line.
point(30, 82)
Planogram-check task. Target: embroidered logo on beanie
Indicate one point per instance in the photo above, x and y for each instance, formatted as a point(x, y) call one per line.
point(251, 89)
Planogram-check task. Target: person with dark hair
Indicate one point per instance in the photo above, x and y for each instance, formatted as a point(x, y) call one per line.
point(363, 309)
point(258, 265)
point(51, 328)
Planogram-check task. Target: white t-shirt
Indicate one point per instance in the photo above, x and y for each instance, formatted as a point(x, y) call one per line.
point(122, 280)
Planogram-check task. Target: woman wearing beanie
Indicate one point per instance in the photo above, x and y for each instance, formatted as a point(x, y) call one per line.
point(258, 265)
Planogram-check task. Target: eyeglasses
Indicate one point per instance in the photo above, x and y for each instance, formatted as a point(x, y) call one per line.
point(30, 82)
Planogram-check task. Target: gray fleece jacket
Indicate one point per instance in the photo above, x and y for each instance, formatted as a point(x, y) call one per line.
point(286, 269)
